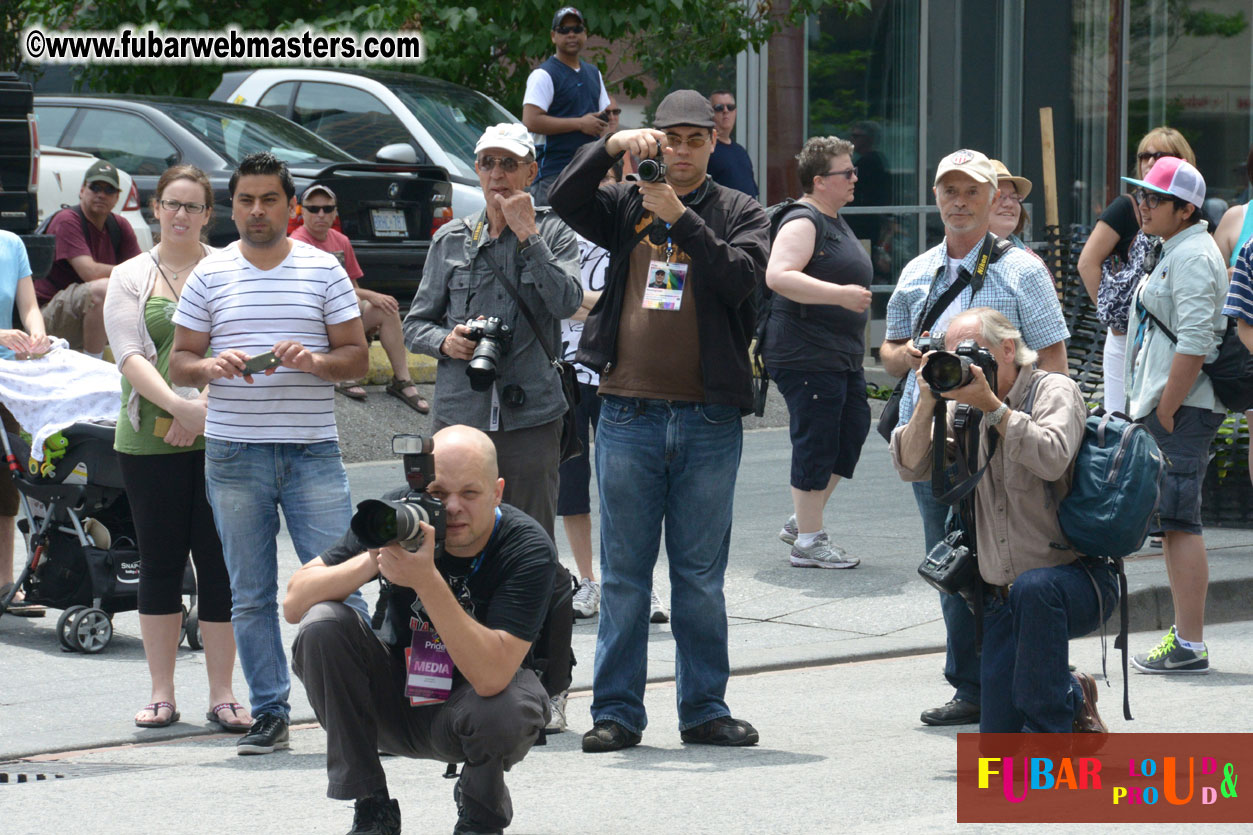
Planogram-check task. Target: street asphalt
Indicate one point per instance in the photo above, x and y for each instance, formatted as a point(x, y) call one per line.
point(833, 668)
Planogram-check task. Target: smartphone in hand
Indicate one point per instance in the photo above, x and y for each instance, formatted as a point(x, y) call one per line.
point(262, 362)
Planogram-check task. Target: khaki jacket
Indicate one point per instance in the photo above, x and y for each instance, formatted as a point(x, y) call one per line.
point(1016, 500)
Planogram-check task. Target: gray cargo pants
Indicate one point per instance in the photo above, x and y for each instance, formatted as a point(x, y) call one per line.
point(356, 686)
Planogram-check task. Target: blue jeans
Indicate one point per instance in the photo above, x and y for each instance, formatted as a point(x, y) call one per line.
point(675, 463)
point(1027, 685)
point(961, 664)
point(246, 484)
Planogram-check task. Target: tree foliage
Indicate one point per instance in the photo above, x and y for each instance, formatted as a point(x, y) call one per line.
point(489, 45)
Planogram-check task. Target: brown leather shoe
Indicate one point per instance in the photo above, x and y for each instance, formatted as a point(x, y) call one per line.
point(1089, 720)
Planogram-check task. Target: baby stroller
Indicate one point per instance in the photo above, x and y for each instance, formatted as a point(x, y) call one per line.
point(81, 553)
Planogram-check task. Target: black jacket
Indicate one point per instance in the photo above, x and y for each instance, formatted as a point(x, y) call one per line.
point(725, 232)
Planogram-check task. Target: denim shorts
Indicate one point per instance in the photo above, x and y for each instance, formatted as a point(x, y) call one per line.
point(575, 476)
point(1187, 456)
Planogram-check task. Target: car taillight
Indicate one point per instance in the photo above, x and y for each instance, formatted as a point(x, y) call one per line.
point(132, 199)
point(441, 216)
point(33, 188)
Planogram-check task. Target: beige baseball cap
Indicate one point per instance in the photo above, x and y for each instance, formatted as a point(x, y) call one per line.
point(973, 164)
point(507, 136)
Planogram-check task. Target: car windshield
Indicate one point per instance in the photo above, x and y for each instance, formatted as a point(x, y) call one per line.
point(237, 132)
point(455, 118)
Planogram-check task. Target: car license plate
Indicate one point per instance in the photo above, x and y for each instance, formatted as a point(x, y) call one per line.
point(389, 223)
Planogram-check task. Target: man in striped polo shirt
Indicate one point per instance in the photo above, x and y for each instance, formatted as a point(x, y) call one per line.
point(270, 436)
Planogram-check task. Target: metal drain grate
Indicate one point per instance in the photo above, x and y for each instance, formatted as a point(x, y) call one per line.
point(20, 771)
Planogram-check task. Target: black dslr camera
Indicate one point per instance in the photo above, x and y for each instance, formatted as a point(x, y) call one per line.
point(948, 370)
point(930, 342)
point(494, 339)
point(380, 522)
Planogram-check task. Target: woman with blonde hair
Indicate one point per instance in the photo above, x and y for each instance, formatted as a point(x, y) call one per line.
point(160, 445)
point(1112, 260)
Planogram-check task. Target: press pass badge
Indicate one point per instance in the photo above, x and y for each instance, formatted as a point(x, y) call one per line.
point(664, 289)
point(430, 669)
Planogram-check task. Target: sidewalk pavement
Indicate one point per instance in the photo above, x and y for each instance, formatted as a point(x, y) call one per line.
point(841, 751)
point(781, 618)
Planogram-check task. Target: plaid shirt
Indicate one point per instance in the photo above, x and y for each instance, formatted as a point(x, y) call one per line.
point(1017, 284)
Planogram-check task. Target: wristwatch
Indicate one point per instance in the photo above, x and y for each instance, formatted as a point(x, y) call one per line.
point(995, 416)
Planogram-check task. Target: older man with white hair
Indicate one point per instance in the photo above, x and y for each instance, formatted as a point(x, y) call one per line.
point(472, 259)
point(969, 267)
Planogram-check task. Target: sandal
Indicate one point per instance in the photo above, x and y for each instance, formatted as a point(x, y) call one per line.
point(396, 388)
point(215, 715)
point(18, 607)
point(350, 388)
point(156, 708)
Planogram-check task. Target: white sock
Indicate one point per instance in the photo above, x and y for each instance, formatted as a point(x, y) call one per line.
point(98, 356)
point(807, 540)
point(1195, 646)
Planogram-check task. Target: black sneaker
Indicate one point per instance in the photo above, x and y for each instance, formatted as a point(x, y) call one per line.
point(956, 712)
point(608, 735)
point(267, 735)
point(376, 815)
point(721, 731)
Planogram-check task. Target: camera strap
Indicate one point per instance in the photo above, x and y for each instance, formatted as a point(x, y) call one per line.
point(526, 311)
point(974, 280)
point(950, 483)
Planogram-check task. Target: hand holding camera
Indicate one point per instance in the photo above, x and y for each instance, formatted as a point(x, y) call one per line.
point(403, 567)
point(644, 143)
point(966, 374)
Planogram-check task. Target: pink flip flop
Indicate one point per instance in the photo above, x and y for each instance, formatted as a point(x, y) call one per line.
point(156, 707)
point(214, 715)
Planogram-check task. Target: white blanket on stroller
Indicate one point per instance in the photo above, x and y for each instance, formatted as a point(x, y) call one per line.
point(60, 388)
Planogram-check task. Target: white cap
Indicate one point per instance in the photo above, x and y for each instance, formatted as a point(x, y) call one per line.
point(973, 164)
point(507, 136)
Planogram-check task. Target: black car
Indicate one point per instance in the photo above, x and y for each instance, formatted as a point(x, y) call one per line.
point(389, 211)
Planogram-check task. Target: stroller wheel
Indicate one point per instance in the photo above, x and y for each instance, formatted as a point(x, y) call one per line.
point(91, 630)
point(63, 628)
point(191, 629)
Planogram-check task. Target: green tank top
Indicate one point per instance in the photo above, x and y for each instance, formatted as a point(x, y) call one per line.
point(158, 316)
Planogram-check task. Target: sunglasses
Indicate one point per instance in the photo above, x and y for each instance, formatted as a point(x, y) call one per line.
point(718, 108)
point(847, 173)
point(569, 30)
point(613, 111)
point(175, 205)
point(104, 188)
point(317, 210)
point(507, 164)
point(1152, 199)
point(697, 141)
point(1145, 156)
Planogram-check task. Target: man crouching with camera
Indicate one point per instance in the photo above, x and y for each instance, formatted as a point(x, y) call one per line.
point(1037, 593)
point(444, 679)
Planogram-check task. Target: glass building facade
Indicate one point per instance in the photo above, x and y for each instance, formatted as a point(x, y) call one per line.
point(911, 80)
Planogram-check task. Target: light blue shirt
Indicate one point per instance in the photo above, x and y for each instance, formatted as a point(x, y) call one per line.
point(1185, 292)
point(1017, 284)
point(14, 266)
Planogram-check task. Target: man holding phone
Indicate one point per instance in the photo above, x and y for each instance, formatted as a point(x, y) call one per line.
point(269, 325)
point(565, 101)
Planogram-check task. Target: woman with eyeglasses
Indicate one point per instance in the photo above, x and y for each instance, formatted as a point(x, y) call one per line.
point(1112, 260)
point(1008, 216)
point(1175, 324)
point(160, 445)
point(814, 343)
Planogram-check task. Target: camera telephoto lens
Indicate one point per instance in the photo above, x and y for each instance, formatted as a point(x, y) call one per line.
point(945, 371)
point(482, 368)
point(377, 522)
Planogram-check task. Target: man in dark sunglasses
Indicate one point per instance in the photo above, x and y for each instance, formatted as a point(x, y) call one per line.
point(730, 164)
point(90, 241)
point(565, 101)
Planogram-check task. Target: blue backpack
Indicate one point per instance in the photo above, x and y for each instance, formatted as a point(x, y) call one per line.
point(1115, 488)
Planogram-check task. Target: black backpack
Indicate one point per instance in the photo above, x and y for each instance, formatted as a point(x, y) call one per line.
point(777, 214)
point(111, 227)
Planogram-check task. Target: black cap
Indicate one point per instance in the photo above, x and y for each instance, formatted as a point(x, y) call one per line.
point(684, 107)
point(566, 11)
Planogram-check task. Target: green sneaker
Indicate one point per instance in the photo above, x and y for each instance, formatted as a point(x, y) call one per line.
point(1169, 657)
